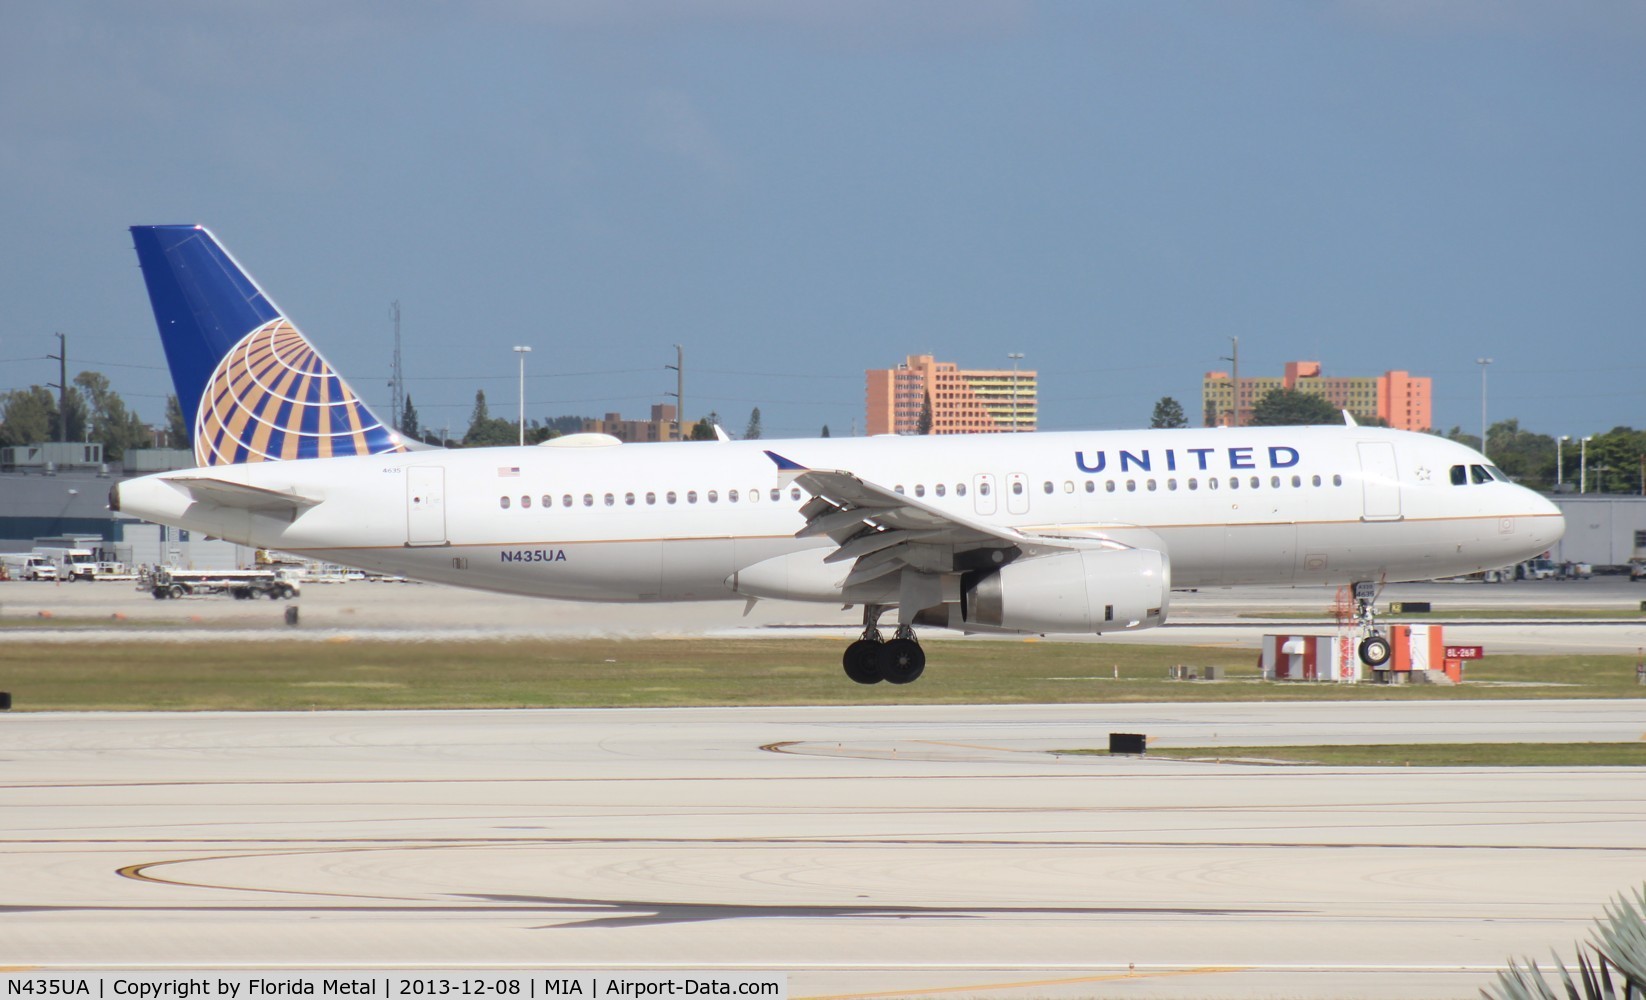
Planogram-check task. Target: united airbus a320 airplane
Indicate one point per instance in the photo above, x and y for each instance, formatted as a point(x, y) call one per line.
point(1079, 532)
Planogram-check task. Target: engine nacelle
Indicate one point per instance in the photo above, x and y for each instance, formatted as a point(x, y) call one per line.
point(1089, 591)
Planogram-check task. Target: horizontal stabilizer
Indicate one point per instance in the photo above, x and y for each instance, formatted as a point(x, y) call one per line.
point(256, 499)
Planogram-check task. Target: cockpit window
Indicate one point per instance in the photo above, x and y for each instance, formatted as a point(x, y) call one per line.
point(1498, 474)
point(1460, 476)
point(1480, 474)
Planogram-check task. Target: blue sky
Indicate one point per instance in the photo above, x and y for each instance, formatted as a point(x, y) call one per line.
point(797, 192)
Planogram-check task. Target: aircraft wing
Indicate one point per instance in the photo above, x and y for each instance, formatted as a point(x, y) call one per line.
point(205, 489)
point(884, 531)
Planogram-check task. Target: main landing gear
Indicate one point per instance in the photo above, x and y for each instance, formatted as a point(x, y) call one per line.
point(1374, 645)
point(872, 659)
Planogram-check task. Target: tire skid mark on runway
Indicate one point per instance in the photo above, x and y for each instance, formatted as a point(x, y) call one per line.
point(1033, 983)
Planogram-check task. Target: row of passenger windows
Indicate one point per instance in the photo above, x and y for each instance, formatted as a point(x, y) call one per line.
point(1048, 487)
point(650, 499)
point(1017, 488)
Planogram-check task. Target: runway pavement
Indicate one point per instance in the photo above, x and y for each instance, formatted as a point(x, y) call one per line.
point(864, 851)
point(1225, 617)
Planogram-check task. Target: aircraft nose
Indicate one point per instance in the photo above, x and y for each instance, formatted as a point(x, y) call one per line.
point(1549, 524)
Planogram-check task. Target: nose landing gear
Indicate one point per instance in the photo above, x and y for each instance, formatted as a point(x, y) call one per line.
point(1374, 645)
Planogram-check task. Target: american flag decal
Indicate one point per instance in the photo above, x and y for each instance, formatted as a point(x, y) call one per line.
point(508, 471)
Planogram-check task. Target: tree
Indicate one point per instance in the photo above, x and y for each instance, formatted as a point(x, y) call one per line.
point(926, 415)
point(703, 430)
point(408, 420)
point(179, 433)
point(111, 424)
point(27, 416)
point(486, 430)
point(1168, 413)
point(825, 431)
point(753, 431)
point(1290, 407)
point(1525, 457)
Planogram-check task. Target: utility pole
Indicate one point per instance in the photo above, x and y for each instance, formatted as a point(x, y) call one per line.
point(679, 367)
point(397, 376)
point(1234, 359)
point(1483, 362)
point(62, 385)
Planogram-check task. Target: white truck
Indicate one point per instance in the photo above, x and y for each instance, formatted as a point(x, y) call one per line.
point(241, 584)
point(71, 563)
point(28, 566)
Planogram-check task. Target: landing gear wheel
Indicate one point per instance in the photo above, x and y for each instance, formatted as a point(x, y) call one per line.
point(902, 661)
point(1375, 651)
point(862, 661)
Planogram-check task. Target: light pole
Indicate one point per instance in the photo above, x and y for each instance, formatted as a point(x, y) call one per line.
point(1560, 462)
point(522, 351)
point(1583, 465)
point(1483, 362)
point(1016, 356)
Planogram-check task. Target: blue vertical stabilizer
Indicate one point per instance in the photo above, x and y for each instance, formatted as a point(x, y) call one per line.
point(252, 386)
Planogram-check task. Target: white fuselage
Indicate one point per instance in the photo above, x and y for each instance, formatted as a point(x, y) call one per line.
point(674, 522)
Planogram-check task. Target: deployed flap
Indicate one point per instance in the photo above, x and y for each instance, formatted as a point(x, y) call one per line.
point(253, 498)
point(884, 531)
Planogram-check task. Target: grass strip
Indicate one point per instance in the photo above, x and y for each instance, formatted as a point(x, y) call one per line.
point(291, 675)
point(1419, 754)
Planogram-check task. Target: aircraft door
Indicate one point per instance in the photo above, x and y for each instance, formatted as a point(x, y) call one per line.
point(1379, 481)
point(426, 505)
point(983, 497)
point(1017, 493)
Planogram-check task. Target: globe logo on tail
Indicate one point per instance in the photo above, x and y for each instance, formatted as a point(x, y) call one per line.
point(274, 398)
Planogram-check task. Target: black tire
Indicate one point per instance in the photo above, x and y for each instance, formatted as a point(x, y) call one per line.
point(902, 661)
point(175, 591)
point(862, 661)
point(1375, 651)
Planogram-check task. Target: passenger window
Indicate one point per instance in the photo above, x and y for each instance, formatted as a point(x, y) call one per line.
point(1046, 487)
point(1109, 486)
point(983, 489)
point(1193, 485)
point(754, 496)
point(566, 500)
point(503, 502)
point(940, 489)
point(1460, 476)
point(548, 501)
point(777, 495)
point(1151, 486)
point(1274, 481)
point(669, 496)
point(1211, 482)
point(898, 489)
point(1091, 486)
point(1297, 481)
point(959, 489)
point(691, 496)
point(731, 496)
point(1258, 483)
point(628, 499)
point(714, 496)
point(651, 499)
point(1337, 480)
point(1234, 482)
point(588, 499)
point(525, 503)
point(1131, 486)
point(1068, 487)
point(610, 499)
point(794, 493)
point(919, 490)
point(1017, 488)
point(1317, 480)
